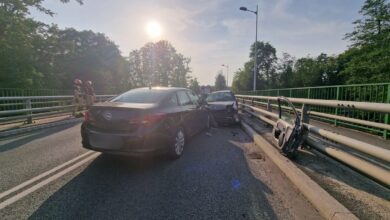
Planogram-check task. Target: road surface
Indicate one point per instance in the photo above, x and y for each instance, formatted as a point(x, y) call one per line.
point(222, 175)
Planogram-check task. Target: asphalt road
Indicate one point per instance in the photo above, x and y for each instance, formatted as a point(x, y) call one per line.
point(222, 175)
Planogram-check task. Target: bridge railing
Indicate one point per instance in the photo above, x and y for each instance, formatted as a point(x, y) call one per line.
point(20, 108)
point(375, 164)
point(372, 93)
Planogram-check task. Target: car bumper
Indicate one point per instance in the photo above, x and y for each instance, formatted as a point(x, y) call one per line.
point(123, 143)
point(225, 117)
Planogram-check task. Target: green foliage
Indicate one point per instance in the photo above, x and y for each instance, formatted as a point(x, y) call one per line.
point(220, 82)
point(266, 61)
point(194, 85)
point(37, 55)
point(158, 64)
point(366, 61)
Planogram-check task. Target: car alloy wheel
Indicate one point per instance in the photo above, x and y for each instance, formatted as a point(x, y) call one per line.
point(179, 142)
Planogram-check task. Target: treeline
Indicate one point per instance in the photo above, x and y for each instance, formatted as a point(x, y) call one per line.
point(367, 60)
point(38, 55)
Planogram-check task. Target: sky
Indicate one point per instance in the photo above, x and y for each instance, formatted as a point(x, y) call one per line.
point(214, 32)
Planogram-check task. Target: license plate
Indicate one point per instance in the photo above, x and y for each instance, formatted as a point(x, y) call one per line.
point(104, 141)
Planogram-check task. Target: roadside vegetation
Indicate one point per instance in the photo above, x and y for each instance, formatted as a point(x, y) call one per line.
point(38, 55)
point(367, 60)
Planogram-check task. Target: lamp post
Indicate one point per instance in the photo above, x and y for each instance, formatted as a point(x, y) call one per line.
point(227, 74)
point(255, 53)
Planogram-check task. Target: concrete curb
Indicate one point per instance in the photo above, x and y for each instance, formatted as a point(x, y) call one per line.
point(328, 206)
point(5, 134)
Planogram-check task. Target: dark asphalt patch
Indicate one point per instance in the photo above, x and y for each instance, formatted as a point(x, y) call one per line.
point(211, 181)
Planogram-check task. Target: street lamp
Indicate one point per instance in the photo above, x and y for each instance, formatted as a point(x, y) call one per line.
point(255, 67)
point(227, 74)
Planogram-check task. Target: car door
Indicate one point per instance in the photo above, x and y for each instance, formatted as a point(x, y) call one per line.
point(200, 114)
point(288, 131)
point(173, 110)
point(188, 113)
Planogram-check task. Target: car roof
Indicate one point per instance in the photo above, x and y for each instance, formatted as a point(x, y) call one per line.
point(222, 91)
point(162, 88)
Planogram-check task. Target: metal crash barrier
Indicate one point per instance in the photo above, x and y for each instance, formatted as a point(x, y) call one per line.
point(27, 108)
point(367, 158)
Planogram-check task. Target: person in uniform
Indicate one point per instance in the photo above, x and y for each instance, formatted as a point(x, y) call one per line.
point(89, 93)
point(77, 97)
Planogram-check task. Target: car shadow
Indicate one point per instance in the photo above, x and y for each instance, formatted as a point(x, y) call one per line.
point(210, 181)
point(20, 140)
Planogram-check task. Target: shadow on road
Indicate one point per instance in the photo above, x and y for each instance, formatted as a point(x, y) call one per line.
point(17, 141)
point(211, 180)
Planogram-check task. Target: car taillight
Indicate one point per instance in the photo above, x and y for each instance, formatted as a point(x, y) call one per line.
point(148, 119)
point(88, 116)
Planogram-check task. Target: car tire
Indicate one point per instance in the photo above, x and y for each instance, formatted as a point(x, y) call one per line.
point(208, 122)
point(177, 144)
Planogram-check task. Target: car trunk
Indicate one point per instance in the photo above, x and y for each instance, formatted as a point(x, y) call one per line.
point(116, 116)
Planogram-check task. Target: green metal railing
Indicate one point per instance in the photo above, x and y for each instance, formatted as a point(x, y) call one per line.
point(379, 93)
point(17, 104)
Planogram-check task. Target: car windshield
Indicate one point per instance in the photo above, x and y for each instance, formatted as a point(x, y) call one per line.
point(141, 96)
point(220, 96)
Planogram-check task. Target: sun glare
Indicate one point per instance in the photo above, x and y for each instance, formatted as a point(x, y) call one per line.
point(154, 29)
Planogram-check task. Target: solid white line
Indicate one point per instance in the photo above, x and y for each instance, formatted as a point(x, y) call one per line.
point(46, 181)
point(40, 176)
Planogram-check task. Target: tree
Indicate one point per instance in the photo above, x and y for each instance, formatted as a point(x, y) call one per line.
point(374, 27)
point(158, 64)
point(194, 85)
point(220, 82)
point(24, 44)
point(266, 63)
point(368, 58)
point(285, 68)
point(266, 75)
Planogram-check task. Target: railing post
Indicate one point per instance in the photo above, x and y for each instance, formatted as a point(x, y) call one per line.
point(305, 118)
point(269, 106)
point(337, 98)
point(308, 93)
point(386, 121)
point(29, 113)
point(304, 115)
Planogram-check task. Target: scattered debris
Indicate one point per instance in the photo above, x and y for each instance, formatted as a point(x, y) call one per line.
point(255, 155)
point(209, 134)
point(234, 133)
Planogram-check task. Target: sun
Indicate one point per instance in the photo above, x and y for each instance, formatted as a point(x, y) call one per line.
point(154, 29)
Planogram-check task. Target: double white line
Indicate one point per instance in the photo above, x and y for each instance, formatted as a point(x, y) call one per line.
point(88, 156)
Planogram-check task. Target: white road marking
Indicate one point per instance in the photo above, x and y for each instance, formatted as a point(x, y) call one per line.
point(28, 182)
point(46, 181)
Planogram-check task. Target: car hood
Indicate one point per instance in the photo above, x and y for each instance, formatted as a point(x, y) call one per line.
point(219, 105)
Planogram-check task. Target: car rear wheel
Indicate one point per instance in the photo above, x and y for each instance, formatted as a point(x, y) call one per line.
point(178, 143)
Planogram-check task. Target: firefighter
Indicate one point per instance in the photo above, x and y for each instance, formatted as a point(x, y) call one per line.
point(77, 97)
point(89, 94)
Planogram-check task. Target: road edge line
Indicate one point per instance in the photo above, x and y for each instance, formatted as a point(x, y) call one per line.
point(42, 175)
point(44, 182)
point(328, 206)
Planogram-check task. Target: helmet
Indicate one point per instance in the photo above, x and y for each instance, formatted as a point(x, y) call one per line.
point(77, 82)
point(89, 82)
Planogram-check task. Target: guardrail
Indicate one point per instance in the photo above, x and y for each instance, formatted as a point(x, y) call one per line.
point(375, 164)
point(373, 93)
point(28, 107)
